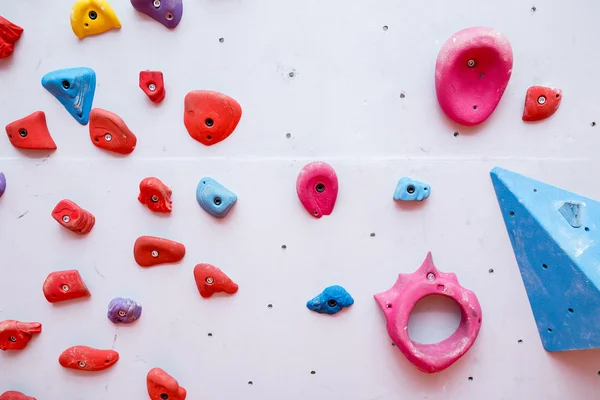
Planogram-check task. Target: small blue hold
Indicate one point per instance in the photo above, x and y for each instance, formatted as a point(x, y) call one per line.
point(571, 211)
point(214, 198)
point(410, 190)
point(74, 88)
point(331, 300)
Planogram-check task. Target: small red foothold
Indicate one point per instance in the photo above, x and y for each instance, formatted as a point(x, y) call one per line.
point(14, 335)
point(64, 285)
point(85, 358)
point(150, 250)
point(541, 102)
point(156, 195)
point(31, 133)
point(9, 34)
point(210, 117)
point(211, 280)
point(163, 386)
point(73, 217)
point(109, 132)
point(152, 83)
point(12, 395)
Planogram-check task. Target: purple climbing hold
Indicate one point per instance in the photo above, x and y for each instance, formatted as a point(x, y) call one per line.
point(124, 311)
point(2, 184)
point(167, 12)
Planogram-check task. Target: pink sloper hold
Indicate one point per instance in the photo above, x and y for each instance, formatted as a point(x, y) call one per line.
point(471, 73)
point(398, 302)
point(317, 188)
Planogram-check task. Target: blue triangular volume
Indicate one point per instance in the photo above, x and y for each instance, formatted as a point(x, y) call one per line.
point(74, 88)
point(559, 263)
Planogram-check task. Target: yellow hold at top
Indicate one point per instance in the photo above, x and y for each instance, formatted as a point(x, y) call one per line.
point(91, 17)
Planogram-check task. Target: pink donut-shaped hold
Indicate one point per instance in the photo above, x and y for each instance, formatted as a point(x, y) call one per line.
point(317, 188)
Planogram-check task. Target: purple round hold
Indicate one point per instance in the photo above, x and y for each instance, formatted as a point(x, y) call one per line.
point(2, 184)
point(167, 12)
point(124, 311)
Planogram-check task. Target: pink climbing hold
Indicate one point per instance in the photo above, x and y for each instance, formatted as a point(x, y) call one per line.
point(317, 188)
point(398, 302)
point(471, 73)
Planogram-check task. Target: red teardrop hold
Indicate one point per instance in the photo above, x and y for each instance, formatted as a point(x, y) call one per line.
point(14, 335)
point(31, 132)
point(163, 386)
point(150, 250)
point(153, 80)
point(109, 132)
point(211, 280)
point(64, 285)
point(541, 102)
point(12, 395)
point(9, 34)
point(210, 117)
point(73, 217)
point(156, 195)
point(84, 358)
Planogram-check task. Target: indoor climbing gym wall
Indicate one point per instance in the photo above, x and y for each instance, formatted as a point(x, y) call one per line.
point(315, 200)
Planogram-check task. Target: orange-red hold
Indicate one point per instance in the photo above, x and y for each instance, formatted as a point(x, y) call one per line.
point(30, 133)
point(152, 83)
point(9, 34)
point(210, 117)
point(109, 132)
point(64, 285)
point(211, 280)
point(85, 358)
point(73, 217)
point(12, 395)
point(14, 335)
point(163, 386)
point(541, 102)
point(156, 195)
point(150, 250)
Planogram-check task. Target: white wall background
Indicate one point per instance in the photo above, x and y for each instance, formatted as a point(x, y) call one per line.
point(343, 106)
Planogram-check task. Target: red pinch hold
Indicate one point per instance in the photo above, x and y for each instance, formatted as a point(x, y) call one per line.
point(150, 250)
point(14, 335)
point(152, 83)
point(64, 285)
point(156, 195)
point(73, 217)
point(109, 132)
point(9, 34)
point(30, 132)
point(85, 358)
point(163, 386)
point(12, 395)
point(210, 117)
point(541, 102)
point(317, 188)
point(211, 280)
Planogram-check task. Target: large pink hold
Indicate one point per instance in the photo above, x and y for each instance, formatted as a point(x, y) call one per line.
point(317, 188)
point(471, 73)
point(398, 302)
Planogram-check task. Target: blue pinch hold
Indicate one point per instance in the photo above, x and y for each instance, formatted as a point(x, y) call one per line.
point(74, 88)
point(215, 198)
point(411, 190)
point(124, 311)
point(331, 300)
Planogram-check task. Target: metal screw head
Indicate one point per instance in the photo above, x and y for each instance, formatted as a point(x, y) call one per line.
point(332, 303)
point(410, 189)
point(81, 364)
point(122, 313)
point(154, 199)
point(320, 188)
point(66, 219)
point(541, 100)
point(218, 201)
point(66, 84)
point(23, 132)
point(164, 396)
point(65, 288)
point(108, 137)
point(209, 280)
point(156, 3)
point(471, 63)
point(154, 253)
point(93, 15)
point(430, 276)
point(12, 339)
point(152, 87)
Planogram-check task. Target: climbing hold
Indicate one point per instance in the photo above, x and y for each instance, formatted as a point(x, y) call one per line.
point(331, 300)
point(211, 280)
point(541, 102)
point(124, 311)
point(163, 386)
point(2, 184)
point(150, 250)
point(74, 88)
point(398, 302)
point(410, 190)
point(109, 132)
point(85, 358)
point(14, 335)
point(30, 133)
point(214, 198)
point(12, 395)
point(156, 195)
point(210, 117)
point(91, 17)
point(471, 73)
point(151, 82)
point(555, 239)
point(64, 285)
point(317, 188)
point(73, 217)
point(167, 12)
point(9, 34)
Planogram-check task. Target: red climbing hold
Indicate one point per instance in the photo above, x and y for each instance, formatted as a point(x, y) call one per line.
point(14, 335)
point(163, 386)
point(156, 195)
point(85, 358)
point(12, 395)
point(109, 132)
point(31, 132)
point(152, 83)
point(9, 34)
point(64, 285)
point(211, 280)
point(210, 117)
point(541, 102)
point(73, 217)
point(150, 250)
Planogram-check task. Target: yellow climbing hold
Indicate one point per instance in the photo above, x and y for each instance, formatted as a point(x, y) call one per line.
point(91, 17)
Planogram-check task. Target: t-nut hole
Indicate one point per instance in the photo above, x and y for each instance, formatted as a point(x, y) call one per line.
point(475, 107)
point(209, 122)
point(550, 330)
point(169, 16)
point(571, 310)
point(433, 319)
point(164, 396)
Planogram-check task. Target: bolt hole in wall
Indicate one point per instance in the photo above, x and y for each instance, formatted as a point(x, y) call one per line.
point(433, 319)
point(455, 134)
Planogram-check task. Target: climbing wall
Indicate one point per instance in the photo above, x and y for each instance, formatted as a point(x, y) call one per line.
point(347, 83)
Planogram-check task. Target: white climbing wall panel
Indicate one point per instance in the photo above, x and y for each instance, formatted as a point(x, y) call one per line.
point(329, 74)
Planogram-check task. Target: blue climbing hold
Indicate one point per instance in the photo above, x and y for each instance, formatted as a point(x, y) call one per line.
point(411, 190)
point(557, 248)
point(331, 300)
point(74, 88)
point(214, 198)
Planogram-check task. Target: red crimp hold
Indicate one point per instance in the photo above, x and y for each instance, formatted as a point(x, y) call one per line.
point(541, 102)
point(109, 132)
point(163, 386)
point(12, 395)
point(73, 217)
point(14, 335)
point(9, 34)
point(152, 83)
point(150, 250)
point(156, 195)
point(85, 358)
point(211, 280)
point(30, 133)
point(64, 285)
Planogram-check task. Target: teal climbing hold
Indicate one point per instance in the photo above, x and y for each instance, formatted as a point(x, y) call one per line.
point(331, 300)
point(411, 190)
point(214, 198)
point(74, 88)
point(556, 243)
